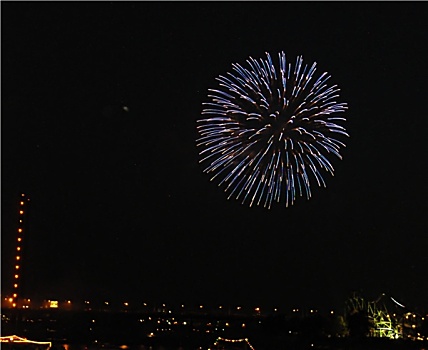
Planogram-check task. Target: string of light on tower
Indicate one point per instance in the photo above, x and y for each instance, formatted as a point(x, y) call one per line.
point(243, 340)
point(22, 209)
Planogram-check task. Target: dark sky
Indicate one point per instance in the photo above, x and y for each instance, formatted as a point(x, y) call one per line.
point(120, 207)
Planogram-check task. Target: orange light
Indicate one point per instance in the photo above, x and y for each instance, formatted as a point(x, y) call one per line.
point(16, 276)
point(18, 248)
point(10, 299)
point(18, 257)
point(19, 239)
point(13, 305)
point(15, 285)
point(22, 203)
point(21, 212)
point(15, 295)
point(20, 230)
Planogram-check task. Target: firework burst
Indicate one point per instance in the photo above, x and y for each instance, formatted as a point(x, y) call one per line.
point(269, 130)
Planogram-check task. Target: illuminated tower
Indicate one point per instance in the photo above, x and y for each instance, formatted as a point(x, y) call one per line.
point(22, 210)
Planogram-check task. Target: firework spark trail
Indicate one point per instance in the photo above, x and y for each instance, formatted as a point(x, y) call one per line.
point(268, 129)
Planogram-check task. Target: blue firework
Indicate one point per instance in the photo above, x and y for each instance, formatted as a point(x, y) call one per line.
point(269, 130)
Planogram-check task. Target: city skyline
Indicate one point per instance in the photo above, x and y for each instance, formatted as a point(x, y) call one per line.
point(20, 299)
point(99, 110)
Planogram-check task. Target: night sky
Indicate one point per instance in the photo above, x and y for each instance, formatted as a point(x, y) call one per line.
point(99, 109)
